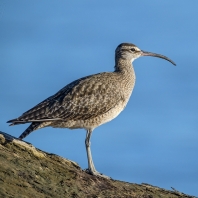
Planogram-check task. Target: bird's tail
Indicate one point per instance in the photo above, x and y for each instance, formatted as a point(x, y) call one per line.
point(31, 128)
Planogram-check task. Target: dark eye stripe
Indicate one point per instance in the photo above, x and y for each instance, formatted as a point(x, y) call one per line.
point(125, 50)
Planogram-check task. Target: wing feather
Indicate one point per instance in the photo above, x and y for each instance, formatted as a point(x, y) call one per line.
point(82, 99)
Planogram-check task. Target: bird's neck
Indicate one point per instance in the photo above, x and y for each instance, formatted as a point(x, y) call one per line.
point(124, 67)
point(126, 76)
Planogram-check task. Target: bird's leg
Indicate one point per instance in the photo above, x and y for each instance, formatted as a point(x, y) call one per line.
point(91, 167)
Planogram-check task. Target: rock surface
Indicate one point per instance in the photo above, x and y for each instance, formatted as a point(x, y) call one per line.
point(28, 172)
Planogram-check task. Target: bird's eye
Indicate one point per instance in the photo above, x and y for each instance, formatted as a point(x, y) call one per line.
point(133, 49)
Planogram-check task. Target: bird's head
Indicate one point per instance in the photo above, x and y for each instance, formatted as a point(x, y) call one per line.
point(129, 51)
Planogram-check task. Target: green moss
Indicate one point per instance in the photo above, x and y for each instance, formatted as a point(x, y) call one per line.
point(29, 172)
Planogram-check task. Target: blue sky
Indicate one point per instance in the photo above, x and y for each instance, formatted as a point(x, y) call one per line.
point(45, 45)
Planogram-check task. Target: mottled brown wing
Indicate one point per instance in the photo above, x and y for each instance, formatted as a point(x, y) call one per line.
point(90, 98)
point(82, 99)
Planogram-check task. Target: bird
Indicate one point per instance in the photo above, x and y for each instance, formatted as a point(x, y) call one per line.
point(89, 101)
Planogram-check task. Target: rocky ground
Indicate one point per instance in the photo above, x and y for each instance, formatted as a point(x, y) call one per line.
point(27, 172)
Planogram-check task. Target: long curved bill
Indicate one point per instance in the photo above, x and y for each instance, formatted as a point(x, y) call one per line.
point(144, 53)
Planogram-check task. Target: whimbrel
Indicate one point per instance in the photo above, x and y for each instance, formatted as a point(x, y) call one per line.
point(90, 101)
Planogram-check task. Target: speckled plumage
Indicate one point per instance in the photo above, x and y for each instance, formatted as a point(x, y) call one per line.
point(84, 103)
point(87, 102)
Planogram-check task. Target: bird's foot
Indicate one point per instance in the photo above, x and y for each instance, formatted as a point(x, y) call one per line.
point(96, 173)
